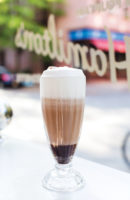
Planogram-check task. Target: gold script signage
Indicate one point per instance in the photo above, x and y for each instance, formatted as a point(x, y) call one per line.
point(101, 6)
point(40, 44)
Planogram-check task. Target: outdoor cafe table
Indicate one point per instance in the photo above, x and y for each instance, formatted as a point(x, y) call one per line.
point(23, 165)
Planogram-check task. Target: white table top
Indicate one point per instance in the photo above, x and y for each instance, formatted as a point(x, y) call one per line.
point(23, 165)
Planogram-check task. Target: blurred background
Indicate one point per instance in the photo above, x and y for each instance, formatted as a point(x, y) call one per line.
point(105, 134)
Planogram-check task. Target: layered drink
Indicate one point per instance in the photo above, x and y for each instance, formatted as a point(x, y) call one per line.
point(62, 91)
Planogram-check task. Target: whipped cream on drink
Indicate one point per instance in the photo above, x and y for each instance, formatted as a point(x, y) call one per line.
point(62, 82)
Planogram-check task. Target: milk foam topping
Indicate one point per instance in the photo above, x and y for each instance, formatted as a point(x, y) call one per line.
point(62, 82)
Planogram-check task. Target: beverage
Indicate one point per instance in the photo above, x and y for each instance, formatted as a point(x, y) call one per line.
point(63, 121)
point(62, 91)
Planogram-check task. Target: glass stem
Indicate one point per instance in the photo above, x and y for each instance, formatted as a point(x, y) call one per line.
point(63, 169)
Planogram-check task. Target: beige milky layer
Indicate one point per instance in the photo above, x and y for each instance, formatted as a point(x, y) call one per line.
point(63, 119)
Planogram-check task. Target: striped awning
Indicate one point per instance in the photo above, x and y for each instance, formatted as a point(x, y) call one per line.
point(99, 38)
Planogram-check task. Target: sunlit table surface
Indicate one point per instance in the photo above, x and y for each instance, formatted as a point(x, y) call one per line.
point(23, 165)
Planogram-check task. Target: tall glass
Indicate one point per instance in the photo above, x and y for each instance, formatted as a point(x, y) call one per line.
point(62, 91)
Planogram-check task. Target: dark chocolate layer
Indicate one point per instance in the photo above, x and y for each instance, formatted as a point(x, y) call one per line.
point(63, 153)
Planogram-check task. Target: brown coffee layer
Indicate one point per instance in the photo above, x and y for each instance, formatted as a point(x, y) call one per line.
point(63, 118)
point(63, 153)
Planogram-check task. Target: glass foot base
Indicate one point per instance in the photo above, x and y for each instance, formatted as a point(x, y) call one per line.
point(63, 179)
